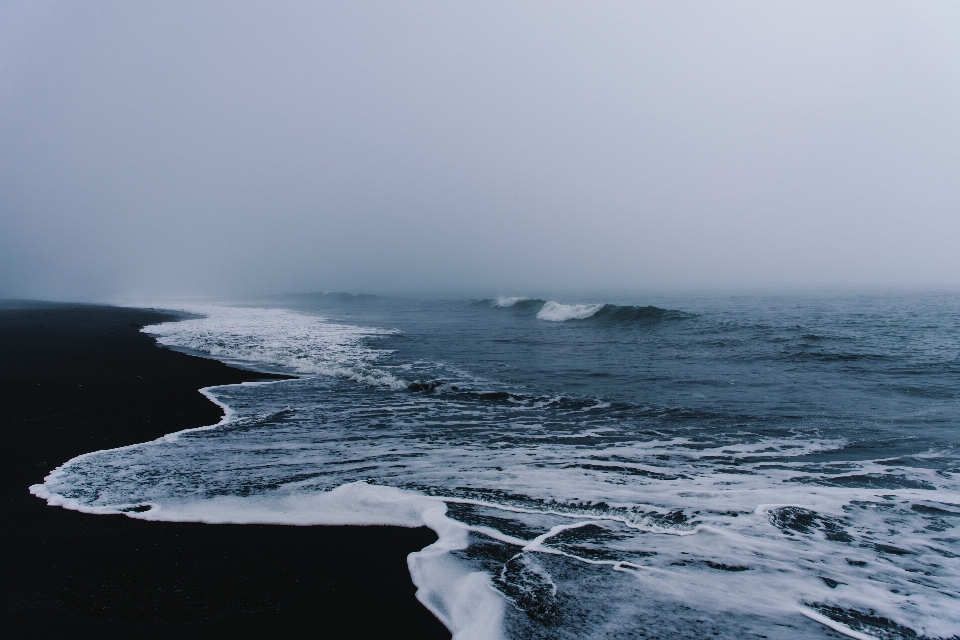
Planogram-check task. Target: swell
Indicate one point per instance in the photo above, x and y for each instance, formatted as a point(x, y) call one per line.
point(612, 314)
point(517, 304)
point(598, 314)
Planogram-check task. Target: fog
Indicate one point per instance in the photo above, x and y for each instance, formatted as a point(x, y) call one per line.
point(200, 148)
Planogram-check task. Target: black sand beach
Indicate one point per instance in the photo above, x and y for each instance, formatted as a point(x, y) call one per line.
point(77, 378)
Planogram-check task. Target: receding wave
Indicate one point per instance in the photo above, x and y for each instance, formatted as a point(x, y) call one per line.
point(294, 342)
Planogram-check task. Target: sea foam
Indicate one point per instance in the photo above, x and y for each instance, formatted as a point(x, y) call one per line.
point(505, 302)
point(465, 601)
point(296, 342)
point(557, 312)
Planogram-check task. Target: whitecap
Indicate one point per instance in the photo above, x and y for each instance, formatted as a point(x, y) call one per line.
point(557, 312)
point(503, 301)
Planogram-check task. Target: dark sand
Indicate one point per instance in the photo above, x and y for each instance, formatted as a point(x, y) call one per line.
point(77, 378)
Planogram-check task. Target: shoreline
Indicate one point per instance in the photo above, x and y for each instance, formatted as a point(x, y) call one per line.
point(81, 378)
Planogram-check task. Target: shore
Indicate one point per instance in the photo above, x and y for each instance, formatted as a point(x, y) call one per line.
point(78, 378)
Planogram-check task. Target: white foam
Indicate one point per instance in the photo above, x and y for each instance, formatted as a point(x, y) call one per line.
point(557, 312)
point(297, 342)
point(503, 301)
point(833, 624)
point(465, 601)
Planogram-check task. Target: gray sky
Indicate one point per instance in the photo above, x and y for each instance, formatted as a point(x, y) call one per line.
point(165, 148)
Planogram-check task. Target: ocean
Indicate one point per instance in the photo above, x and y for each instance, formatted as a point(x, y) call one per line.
point(678, 467)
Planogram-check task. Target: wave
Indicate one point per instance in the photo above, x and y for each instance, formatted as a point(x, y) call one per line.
point(518, 304)
point(599, 313)
point(607, 314)
point(504, 301)
point(558, 312)
point(276, 338)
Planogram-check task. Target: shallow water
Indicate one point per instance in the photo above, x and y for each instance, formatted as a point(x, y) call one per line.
point(727, 467)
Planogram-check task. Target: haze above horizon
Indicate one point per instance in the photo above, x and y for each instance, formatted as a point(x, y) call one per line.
point(233, 148)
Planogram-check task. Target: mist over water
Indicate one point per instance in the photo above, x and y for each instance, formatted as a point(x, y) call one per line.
point(475, 148)
point(729, 467)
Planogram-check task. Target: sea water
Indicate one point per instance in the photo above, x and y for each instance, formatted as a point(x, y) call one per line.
point(776, 467)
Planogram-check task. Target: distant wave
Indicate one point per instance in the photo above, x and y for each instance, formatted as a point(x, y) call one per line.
point(504, 301)
point(607, 314)
point(557, 312)
point(597, 313)
point(518, 304)
point(618, 314)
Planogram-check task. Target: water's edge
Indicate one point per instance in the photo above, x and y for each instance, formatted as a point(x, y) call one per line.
point(465, 602)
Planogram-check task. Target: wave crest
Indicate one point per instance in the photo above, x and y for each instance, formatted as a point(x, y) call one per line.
point(558, 312)
point(504, 301)
point(607, 314)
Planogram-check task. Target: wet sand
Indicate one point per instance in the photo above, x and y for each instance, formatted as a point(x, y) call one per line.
point(76, 378)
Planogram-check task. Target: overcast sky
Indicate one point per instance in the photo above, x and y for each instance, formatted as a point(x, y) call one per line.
point(165, 148)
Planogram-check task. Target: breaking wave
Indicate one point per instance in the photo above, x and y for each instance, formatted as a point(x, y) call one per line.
point(607, 314)
point(504, 302)
point(598, 313)
point(557, 312)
